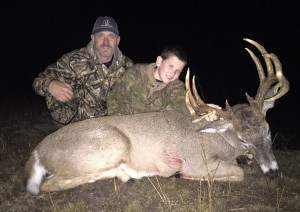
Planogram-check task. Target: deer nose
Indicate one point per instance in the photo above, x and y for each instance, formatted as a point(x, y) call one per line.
point(272, 174)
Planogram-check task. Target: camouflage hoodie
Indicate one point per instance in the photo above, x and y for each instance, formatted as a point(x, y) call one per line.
point(137, 91)
point(89, 79)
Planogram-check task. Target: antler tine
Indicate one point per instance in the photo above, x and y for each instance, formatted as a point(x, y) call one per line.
point(198, 108)
point(190, 101)
point(195, 92)
point(259, 67)
point(264, 53)
point(187, 80)
point(283, 84)
point(264, 82)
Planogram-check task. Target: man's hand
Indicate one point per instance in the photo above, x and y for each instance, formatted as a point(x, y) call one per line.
point(213, 116)
point(61, 91)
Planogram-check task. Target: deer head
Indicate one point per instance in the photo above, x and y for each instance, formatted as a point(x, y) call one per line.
point(246, 121)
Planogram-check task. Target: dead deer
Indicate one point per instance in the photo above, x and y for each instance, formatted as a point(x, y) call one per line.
point(163, 143)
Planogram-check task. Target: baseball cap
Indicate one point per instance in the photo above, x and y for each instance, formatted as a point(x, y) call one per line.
point(105, 23)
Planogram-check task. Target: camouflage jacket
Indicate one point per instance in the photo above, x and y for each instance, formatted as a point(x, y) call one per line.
point(89, 79)
point(137, 91)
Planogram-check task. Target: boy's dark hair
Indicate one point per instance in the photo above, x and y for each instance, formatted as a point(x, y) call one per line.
point(176, 50)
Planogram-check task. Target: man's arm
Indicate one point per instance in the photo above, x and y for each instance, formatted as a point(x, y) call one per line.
point(119, 98)
point(177, 97)
point(53, 81)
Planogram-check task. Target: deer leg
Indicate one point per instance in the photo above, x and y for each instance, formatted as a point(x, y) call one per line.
point(215, 170)
point(58, 182)
point(226, 171)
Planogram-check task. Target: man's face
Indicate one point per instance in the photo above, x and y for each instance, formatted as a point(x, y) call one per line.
point(105, 44)
point(169, 69)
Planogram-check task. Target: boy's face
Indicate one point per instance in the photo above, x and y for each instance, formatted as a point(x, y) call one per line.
point(169, 69)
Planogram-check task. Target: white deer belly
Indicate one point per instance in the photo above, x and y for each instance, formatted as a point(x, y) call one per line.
point(135, 174)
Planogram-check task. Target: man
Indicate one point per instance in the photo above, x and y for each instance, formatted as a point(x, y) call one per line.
point(76, 86)
point(152, 87)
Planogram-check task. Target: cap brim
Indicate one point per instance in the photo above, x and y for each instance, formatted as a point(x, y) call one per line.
point(106, 29)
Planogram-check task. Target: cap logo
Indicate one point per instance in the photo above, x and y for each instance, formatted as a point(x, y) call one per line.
point(106, 23)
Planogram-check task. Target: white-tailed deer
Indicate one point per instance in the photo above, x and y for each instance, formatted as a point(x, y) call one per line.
point(163, 143)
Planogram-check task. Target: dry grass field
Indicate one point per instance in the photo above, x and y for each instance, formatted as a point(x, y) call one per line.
point(24, 124)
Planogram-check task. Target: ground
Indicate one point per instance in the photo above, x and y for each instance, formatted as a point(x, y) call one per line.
point(23, 126)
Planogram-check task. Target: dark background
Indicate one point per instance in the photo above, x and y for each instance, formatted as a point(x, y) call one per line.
point(37, 33)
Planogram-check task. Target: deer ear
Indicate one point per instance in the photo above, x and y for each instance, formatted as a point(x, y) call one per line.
point(217, 126)
point(269, 104)
point(266, 107)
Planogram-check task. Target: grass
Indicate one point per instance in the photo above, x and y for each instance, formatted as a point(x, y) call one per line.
point(163, 196)
point(70, 207)
point(133, 206)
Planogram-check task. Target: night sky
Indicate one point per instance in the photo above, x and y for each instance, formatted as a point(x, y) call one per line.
point(36, 33)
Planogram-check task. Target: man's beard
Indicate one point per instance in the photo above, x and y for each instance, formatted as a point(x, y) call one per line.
point(107, 52)
point(100, 53)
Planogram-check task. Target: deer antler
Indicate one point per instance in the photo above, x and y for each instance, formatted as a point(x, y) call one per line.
point(282, 85)
point(197, 107)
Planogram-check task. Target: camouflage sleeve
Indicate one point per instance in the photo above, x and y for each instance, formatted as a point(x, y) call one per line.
point(176, 97)
point(57, 71)
point(128, 62)
point(119, 98)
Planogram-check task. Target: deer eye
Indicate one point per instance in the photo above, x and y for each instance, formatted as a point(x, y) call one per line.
point(244, 142)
